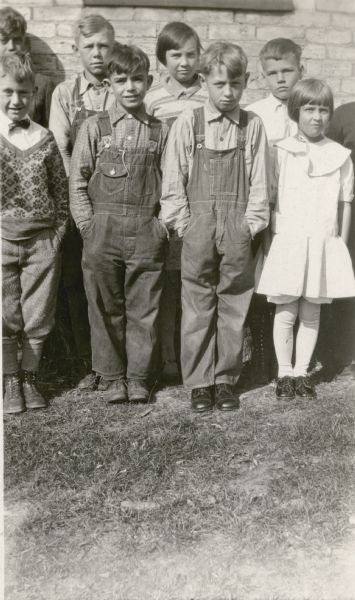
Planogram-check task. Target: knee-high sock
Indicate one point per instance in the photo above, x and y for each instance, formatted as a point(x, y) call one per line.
point(285, 318)
point(308, 314)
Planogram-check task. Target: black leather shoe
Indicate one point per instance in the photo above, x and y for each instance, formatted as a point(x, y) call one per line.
point(14, 402)
point(285, 388)
point(33, 397)
point(201, 399)
point(226, 396)
point(304, 387)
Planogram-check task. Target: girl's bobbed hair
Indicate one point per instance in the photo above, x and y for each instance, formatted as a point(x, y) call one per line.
point(172, 37)
point(309, 91)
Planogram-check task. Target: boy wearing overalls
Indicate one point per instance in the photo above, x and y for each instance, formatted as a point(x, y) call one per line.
point(115, 187)
point(72, 103)
point(215, 194)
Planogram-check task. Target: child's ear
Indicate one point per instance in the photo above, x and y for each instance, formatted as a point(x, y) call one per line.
point(149, 81)
point(107, 81)
point(246, 76)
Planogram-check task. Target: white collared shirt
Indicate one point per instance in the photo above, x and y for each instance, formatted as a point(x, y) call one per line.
point(19, 137)
point(274, 115)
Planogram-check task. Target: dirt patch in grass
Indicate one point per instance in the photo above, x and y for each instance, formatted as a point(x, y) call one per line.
point(138, 502)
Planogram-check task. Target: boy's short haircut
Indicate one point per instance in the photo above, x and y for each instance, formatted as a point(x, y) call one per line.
point(277, 48)
point(230, 55)
point(172, 37)
point(91, 24)
point(127, 59)
point(17, 66)
point(12, 23)
point(309, 91)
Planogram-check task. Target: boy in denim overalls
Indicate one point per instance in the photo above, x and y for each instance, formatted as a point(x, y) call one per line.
point(215, 194)
point(115, 187)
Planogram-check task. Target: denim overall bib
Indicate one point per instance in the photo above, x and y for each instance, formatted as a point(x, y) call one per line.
point(72, 251)
point(123, 255)
point(216, 269)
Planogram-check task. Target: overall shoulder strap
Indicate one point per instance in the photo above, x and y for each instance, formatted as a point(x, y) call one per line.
point(155, 129)
point(199, 124)
point(104, 123)
point(242, 129)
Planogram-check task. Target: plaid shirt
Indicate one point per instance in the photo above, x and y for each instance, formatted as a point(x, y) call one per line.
point(128, 132)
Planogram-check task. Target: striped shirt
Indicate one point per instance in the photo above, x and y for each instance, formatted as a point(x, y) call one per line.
point(169, 98)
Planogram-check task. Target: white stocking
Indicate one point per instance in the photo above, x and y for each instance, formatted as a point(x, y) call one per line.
point(309, 314)
point(285, 318)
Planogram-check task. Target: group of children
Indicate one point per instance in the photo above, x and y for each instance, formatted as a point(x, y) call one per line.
point(170, 188)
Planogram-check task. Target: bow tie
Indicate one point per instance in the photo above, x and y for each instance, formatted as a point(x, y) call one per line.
point(23, 124)
point(99, 86)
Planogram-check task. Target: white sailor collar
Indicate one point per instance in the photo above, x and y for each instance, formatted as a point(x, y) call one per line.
point(331, 157)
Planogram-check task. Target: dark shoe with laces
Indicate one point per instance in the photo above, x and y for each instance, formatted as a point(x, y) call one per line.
point(33, 397)
point(226, 396)
point(13, 402)
point(90, 382)
point(138, 391)
point(202, 399)
point(285, 388)
point(113, 390)
point(304, 387)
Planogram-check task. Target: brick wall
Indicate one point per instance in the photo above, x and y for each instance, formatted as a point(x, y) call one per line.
point(324, 28)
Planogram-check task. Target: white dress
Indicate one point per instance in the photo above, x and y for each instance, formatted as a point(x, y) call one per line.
point(307, 256)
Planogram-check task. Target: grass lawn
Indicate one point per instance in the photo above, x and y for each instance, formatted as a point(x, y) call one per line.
point(121, 502)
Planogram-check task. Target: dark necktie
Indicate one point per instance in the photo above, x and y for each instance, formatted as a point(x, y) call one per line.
point(22, 124)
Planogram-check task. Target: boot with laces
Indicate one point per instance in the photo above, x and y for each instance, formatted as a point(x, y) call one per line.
point(14, 402)
point(33, 397)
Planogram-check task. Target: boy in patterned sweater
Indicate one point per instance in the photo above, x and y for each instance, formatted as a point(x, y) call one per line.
point(34, 213)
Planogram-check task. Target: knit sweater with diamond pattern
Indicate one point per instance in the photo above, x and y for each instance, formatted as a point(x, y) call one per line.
point(33, 189)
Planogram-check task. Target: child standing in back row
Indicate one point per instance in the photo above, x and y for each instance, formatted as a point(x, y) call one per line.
point(178, 49)
point(280, 61)
point(308, 263)
point(72, 103)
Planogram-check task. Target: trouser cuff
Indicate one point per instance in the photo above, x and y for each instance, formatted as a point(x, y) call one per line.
point(31, 354)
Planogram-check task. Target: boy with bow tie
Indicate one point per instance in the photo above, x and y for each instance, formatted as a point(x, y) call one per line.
point(34, 214)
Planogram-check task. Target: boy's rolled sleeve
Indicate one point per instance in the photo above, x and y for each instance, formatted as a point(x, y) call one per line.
point(82, 167)
point(60, 126)
point(258, 211)
point(175, 212)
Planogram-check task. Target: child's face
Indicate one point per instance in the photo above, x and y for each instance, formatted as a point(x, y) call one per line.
point(182, 63)
point(130, 89)
point(224, 91)
point(12, 44)
point(94, 52)
point(15, 97)
point(281, 75)
point(313, 120)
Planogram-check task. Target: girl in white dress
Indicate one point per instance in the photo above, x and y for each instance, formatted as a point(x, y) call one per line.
point(308, 262)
